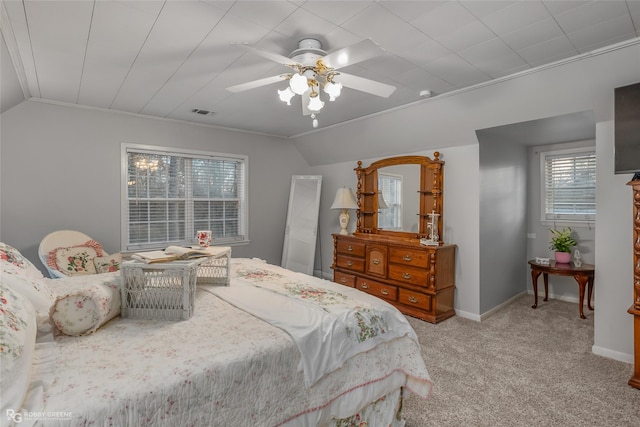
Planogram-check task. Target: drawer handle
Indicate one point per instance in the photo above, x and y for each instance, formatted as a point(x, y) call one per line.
point(406, 276)
point(364, 286)
point(384, 292)
point(343, 279)
point(349, 263)
point(407, 258)
point(376, 261)
point(349, 248)
point(413, 300)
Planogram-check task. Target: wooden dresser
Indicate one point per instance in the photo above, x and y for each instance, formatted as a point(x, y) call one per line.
point(635, 308)
point(418, 280)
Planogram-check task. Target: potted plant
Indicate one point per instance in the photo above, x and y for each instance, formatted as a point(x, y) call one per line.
point(562, 242)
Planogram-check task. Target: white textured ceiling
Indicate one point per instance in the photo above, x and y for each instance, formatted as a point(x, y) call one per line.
point(166, 58)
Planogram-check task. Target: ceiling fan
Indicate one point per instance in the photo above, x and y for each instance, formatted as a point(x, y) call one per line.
point(315, 69)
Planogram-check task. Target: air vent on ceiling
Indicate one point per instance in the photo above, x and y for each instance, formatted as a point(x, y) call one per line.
point(202, 112)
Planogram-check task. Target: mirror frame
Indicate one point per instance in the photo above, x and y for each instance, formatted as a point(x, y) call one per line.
point(430, 194)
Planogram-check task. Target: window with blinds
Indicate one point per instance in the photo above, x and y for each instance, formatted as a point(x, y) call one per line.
point(171, 194)
point(390, 186)
point(569, 185)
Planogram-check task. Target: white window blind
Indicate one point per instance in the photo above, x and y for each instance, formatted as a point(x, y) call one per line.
point(390, 186)
point(569, 187)
point(170, 195)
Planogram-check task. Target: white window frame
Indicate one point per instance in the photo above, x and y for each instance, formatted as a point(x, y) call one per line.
point(243, 225)
point(578, 220)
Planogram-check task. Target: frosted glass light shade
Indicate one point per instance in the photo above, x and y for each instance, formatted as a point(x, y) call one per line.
point(298, 84)
point(333, 90)
point(286, 95)
point(315, 104)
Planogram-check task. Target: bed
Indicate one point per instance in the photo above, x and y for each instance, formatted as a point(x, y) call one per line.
point(238, 361)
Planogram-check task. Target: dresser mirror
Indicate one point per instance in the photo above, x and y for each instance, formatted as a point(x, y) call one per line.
point(398, 196)
point(398, 201)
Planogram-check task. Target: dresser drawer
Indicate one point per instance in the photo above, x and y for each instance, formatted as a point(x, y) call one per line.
point(351, 263)
point(406, 256)
point(407, 274)
point(415, 299)
point(344, 279)
point(350, 248)
point(378, 289)
point(377, 260)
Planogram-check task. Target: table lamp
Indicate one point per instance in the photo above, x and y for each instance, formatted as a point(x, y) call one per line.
point(382, 204)
point(344, 200)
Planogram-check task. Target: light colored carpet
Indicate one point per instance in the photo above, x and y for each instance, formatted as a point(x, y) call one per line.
point(521, 367)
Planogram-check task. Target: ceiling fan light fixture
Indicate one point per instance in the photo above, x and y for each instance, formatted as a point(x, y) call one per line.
point(333, 90)
point(286, 95)
point(313, 71)
point(315, 103)
point(298, 84)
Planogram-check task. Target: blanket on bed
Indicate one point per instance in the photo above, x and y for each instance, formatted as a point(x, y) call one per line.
point(326, 324)
point(222, 367)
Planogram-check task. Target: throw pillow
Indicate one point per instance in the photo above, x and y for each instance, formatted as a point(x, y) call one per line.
point(76, 261)
point(58, 262)
point(17, 341)
point(108, 264)
point(13, 256)
point(35, 290)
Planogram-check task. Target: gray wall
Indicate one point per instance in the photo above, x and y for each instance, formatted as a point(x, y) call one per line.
point(10, 90)
point(503, 213)
point(61, 170)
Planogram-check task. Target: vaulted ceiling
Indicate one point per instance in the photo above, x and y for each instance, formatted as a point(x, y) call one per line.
point(167, 58)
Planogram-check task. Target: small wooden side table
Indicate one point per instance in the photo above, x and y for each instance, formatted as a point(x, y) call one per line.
point(583, 275)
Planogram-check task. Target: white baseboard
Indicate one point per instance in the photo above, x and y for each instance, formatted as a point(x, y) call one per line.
point(572, 299)
point(611, 354)
point(467, 315)
point(487, 314)
point(322, 274)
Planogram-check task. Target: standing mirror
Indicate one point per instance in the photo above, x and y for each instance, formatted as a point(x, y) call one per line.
point(298, 252)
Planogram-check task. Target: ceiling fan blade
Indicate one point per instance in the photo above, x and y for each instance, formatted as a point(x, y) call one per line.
point(257, 83)
point(280, 59)
point(353, 54)
point(365, 85)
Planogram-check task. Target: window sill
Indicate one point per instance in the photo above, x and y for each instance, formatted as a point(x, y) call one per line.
point(569, 223)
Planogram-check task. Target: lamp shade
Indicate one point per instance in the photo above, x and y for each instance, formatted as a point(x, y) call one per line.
point(344, 199)
point(382, 204)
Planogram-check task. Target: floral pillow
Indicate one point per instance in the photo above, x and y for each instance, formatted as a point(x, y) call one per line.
point(75, 260)
point(12, 256)
point(17, 344)
point(84, 303)
point(108, 264)
point(34, 289)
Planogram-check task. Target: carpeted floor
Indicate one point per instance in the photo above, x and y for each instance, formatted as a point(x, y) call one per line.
point(521, 367)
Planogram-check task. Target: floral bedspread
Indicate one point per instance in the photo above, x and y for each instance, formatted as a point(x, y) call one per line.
point(328, 322)
point(222, 367)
